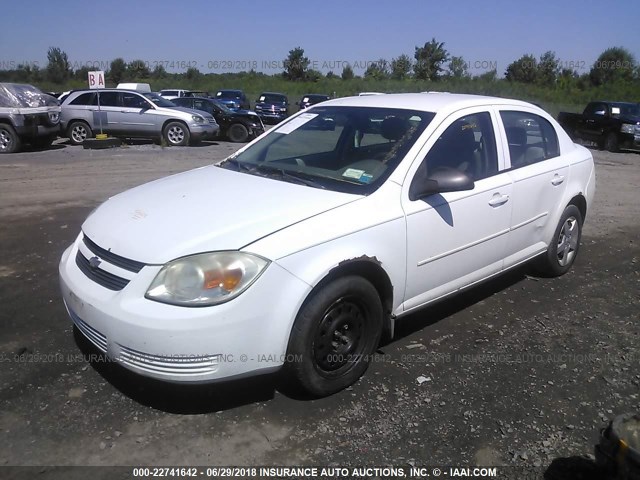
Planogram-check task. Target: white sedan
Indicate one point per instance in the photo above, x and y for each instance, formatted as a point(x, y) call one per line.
point(303, 248)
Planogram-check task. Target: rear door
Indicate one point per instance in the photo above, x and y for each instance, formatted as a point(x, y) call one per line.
point(540, 177)
point(107, 115)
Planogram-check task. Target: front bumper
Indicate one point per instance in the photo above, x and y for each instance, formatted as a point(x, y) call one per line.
point(247, 335)
point(203, 132)
point(629, 141)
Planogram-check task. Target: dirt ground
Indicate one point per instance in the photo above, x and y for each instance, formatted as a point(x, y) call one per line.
point(522, 371)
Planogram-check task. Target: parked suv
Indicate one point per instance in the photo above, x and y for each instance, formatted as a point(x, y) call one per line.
point(272, 107)
point(233, 99)
point(302, 250)
point(237, 126)
point(27, 115)
point(311, 99)
point(131, 114)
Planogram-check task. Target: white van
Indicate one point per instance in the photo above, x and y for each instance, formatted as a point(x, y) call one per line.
point(138, 87)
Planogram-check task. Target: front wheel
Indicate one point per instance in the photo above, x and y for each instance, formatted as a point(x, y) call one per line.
point(9, 139)
point(238, 133)
point(564, 246)
point(78, 132)
point(176, 134)
point(334, 336)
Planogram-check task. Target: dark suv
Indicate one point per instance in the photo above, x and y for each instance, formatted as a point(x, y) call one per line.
point(238, 126)
point(27, 115)
point(233, 99)
point(311, 99)
point(272, 107)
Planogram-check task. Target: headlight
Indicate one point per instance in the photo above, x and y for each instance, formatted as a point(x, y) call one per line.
point(198, 118)
point(282, 109)
point(628, 128)
point(206, 279)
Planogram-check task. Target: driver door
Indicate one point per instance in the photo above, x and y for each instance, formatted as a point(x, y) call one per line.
point(457, 238)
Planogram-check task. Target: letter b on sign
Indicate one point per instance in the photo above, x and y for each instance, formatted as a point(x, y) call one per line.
point(96, 79)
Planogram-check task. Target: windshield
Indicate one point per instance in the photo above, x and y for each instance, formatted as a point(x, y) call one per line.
point(271, 98)
point(159, 101)
point(348, 149)
point(228, 94)
point(625, 109)
point(223, 107)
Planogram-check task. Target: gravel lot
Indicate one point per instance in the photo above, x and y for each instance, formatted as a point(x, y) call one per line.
point(522, 371)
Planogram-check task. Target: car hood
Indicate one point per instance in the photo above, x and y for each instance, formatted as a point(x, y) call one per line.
point(630, 119)
point(202, 210)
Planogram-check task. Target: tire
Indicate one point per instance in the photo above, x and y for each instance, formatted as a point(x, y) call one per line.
point(564, 246)
point(333, 337)
point(176, 134)
point(611, 143)
point(238, 133)
point(9, 139)
point(78, 132)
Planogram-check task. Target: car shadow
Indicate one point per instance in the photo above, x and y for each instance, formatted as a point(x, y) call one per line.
point(173, 397)
point(28, 148)
point(575, 468)
point(442, 309)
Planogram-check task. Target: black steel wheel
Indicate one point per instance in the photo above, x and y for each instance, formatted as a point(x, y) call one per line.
point(334, 336)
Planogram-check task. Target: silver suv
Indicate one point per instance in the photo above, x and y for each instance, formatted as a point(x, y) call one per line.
point(132, 114)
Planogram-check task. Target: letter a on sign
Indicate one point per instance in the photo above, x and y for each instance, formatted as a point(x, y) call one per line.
point(96, 79)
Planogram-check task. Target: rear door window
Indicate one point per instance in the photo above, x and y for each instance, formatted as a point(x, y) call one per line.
point(531, 138)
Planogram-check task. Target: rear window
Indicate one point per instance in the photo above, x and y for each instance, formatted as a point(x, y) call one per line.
point(83, 99)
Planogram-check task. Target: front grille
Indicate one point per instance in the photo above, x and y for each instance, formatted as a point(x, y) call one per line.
point(117, 260)
point(101, 277)
point(94, 336)
point(169, 364)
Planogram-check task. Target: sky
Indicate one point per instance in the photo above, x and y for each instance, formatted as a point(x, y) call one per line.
point(227, 37)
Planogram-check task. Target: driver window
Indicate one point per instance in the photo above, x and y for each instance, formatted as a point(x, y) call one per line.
point(467, 145)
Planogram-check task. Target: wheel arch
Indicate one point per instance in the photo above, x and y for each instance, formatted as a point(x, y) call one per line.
point(370, 269)
point(581, 203)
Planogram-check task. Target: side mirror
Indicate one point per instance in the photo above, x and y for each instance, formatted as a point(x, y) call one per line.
point(440, 181)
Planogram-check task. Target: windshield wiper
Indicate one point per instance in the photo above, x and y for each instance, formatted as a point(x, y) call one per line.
point(298, 177)
point(239, 165)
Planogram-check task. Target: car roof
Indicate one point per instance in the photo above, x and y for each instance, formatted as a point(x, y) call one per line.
point(230, 90)
point(315, 95)
point(427, 101)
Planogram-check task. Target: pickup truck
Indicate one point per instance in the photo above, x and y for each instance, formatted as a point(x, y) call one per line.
point(611, 125)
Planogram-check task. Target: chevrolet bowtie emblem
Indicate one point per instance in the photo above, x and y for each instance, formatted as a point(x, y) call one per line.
point(94, 262)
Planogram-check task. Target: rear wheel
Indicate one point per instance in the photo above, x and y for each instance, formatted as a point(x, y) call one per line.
point(564, 246)
point(78, 132)
point(176, 134)
point(9, 140)
point(334, 336)
point(238, 133)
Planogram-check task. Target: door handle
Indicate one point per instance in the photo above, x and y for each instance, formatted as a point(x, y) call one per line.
point(557, 180)
point(498, 200)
